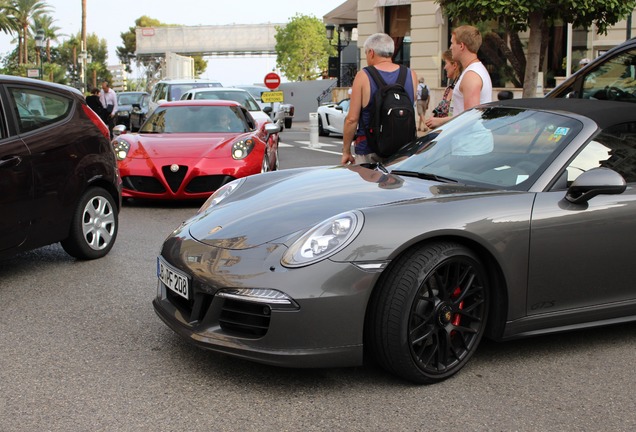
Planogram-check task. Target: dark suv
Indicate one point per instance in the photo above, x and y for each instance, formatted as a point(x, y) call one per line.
point(58, 175)
point(611, 76)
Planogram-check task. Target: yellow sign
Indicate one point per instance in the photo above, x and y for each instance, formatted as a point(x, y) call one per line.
point(272, 96)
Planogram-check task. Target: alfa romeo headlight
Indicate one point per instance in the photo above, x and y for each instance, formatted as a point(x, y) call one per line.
point(324, 240)
point(121, 148)
point(220, 194)
point(242, 148)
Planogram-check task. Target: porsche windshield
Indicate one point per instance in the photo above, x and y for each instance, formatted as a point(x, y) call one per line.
point(196, 119)
point(498, 146)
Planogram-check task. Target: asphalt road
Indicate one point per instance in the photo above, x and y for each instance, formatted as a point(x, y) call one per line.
point(81, 349)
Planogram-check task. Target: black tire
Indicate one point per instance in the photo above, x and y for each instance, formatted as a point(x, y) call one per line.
point(288, 123)
point(94, 226)
point(321, 130)
point(429, 312)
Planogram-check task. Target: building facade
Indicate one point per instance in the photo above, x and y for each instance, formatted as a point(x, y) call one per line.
point(422, 33)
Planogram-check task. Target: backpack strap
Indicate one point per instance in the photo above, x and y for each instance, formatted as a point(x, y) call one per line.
point(402, 76)
point(379, 81)
point(375, 75)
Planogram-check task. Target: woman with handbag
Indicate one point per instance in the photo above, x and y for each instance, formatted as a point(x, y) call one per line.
point(453, 71)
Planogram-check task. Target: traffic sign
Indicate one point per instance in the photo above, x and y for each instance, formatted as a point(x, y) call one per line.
point(272, 96)
point(272, 81)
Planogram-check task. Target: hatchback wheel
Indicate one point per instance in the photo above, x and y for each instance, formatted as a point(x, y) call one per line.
point(429, 313)
point(94, 226)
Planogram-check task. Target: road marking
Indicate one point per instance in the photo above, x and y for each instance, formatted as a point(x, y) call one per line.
point(318, 146)
point(307, 145)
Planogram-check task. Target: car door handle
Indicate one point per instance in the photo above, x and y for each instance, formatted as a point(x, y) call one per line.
point(10, 161)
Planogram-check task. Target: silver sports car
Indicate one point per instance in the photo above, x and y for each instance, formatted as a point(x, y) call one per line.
point(515, 219)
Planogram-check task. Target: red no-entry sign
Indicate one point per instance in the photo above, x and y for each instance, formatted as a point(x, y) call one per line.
point(272, 81)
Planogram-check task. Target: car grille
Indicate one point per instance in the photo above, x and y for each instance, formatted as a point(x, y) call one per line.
point(245, 318)
point(143, 184)
point(174, 179)
point(239, 318)
point(207, 183)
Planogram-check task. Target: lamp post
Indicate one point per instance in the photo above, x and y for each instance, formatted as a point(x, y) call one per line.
point(40, 43)
point(84, 59)
point(343, 39)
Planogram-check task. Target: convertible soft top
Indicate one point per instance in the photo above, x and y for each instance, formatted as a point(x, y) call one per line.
point(604, 113)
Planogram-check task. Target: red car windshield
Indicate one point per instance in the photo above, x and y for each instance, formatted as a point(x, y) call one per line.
point(196, 119)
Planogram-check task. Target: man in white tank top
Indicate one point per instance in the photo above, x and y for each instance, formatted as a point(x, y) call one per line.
point(474, 86)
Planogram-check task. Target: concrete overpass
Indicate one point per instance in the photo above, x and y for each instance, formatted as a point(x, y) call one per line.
point(233, 39)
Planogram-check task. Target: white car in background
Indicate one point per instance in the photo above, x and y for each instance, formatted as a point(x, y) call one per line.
point(331, 118)
point(169, 90)
point(287, 109)
point(238, 95)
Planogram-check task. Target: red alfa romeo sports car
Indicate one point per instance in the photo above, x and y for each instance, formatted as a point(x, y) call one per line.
point(189, 149)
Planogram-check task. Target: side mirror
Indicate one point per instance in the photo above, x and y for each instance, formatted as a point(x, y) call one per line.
point(597, 181)
point(267, 110)
point(338, 108)
point(119, 130)
point(271, 128)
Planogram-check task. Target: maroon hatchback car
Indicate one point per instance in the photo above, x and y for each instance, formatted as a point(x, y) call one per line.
point(58, 175)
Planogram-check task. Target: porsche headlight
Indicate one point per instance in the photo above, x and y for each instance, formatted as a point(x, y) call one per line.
point(324, 240)
point(242, 148)
point(220, 194)
point(121, 148)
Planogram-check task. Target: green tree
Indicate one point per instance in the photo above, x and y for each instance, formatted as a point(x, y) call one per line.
point(7, 23)
point(51, 32)
point(23, 13)
point(516, 16)
point(302, 48)
point(126, 52)
point(97, 70)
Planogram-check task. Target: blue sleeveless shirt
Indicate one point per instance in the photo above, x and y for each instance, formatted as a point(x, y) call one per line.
point(361, 146)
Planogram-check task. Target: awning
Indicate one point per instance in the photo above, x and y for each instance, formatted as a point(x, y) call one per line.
point(346, 13)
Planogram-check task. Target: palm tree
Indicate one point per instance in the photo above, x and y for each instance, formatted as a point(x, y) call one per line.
point(24, 12)
point(84, 23)
point(45, 22)
point(7, 24)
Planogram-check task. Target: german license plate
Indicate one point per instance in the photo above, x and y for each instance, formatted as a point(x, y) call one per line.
point(173, 278)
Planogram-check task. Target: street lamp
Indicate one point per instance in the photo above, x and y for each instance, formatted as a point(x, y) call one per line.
point(40, 43)
point(84, 59)
point(344, 37)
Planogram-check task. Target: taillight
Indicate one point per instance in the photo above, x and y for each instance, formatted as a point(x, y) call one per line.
point(97, 121)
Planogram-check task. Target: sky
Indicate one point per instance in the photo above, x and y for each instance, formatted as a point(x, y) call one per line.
point(108, 19)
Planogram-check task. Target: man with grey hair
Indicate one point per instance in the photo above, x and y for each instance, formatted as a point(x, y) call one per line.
point(378, 49)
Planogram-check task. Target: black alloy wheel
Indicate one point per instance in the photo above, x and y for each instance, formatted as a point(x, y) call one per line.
point(429, 312)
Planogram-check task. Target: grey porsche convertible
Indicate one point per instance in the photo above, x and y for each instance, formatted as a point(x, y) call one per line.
point(514, 219)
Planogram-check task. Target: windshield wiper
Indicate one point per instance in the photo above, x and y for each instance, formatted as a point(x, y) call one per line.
point(424, 176)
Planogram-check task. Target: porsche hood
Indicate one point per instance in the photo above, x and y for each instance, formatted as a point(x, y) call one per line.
point(271, 206)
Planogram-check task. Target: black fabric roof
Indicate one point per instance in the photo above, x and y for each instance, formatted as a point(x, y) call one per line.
point(602, 112)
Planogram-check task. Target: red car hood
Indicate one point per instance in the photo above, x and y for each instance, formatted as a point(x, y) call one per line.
point(190, 145)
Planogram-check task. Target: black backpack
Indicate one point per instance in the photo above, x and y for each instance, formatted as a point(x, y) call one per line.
point(424, 92)
point(392, 122)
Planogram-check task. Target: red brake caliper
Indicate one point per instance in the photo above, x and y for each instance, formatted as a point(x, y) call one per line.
point(457, 318)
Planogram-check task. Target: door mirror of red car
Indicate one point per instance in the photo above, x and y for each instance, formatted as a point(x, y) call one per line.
point(119, 130)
